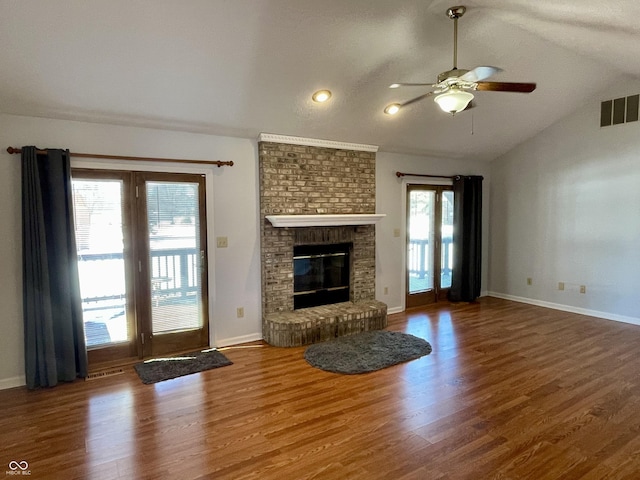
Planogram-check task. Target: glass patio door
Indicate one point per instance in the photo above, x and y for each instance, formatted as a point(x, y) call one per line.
point(175, 263)
point(141, 240)
point(429, 244)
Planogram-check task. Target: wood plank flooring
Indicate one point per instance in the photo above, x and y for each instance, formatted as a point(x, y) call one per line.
point(510, 391)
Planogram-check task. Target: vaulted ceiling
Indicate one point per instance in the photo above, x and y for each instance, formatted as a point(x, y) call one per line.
point(241, 67)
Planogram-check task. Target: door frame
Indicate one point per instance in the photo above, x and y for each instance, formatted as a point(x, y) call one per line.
point(440, 182)
point(208, 171)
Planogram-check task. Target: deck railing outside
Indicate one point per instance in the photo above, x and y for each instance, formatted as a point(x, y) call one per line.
point(174, 280)
point(419, 261)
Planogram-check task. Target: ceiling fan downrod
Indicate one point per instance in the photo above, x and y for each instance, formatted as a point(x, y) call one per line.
point(454, 13)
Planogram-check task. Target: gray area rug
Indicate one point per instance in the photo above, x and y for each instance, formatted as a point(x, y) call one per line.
point(160, 369)
point(366, 352)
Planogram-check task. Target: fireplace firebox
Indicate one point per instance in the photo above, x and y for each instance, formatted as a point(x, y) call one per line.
point(321, 274)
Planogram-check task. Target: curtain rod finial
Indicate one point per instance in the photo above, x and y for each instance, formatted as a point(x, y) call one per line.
point(12, 150)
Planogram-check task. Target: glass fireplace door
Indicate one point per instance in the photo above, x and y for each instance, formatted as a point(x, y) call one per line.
point(320, 275)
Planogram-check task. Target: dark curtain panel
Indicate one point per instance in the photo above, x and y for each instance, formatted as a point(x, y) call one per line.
point(467, 239)
point(55, 347)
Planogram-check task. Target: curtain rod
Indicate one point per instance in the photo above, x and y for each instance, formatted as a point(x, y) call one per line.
point(401, 174)
point(219, 163)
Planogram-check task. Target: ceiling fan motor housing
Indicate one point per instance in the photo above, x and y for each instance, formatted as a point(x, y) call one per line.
point(454, 73)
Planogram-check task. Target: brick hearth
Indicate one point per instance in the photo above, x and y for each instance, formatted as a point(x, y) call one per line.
point(317, 324)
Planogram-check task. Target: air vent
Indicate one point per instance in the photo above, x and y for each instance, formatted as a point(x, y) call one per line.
point(619, 110)
point(104, 373)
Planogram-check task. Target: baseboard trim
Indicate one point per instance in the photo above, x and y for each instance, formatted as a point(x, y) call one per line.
point(226, 342)
point(567, 308)
point(13, 382)
point(391, 311)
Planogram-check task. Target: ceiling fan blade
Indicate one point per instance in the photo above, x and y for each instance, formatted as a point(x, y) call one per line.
point(480, 73)
point(417, 99)
point(398, 85)
point(506, 87)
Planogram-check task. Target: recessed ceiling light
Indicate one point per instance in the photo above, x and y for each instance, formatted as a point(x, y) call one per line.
point(392, 109)
point(321, 96)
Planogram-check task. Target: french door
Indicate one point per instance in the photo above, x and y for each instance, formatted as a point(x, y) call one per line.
point(141, 240)
point(429, 250)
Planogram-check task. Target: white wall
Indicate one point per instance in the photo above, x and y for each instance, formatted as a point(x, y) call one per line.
point(390, 199)
point(565, 207)
point(232, 211)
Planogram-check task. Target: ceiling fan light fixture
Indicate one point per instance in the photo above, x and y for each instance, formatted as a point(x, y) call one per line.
point(392, 108)
point(454, 100)
point(321, 96)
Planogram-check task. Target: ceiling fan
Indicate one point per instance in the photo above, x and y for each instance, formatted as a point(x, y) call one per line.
point(453, 88)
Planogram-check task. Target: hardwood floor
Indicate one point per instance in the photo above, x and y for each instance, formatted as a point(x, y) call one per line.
point(510, 391)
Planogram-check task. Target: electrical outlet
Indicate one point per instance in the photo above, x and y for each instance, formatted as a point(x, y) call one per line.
point(529, 281)
point(240, 312)
point(221, 242)
point(386, 290)
point(583, 289)
point(560, 285)
point(396, 232)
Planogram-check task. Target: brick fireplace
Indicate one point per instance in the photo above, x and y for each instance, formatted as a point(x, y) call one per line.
point(303, 177)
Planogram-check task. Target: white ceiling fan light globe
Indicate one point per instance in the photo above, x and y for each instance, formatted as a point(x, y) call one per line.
point(453, 100)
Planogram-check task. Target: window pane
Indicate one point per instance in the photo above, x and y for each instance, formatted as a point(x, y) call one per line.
point(97, 208)
point(174, 248)
point(447, 239)
point(420, 252)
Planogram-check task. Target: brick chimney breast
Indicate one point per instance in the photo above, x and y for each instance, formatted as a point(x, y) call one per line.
point(308, 180)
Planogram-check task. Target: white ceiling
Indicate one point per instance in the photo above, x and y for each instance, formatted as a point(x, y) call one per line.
point(241, 67)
